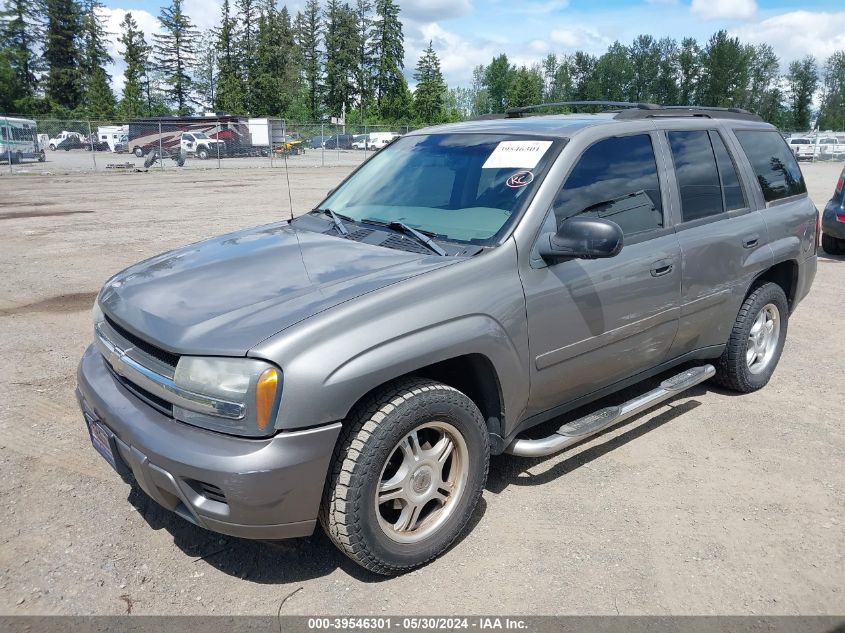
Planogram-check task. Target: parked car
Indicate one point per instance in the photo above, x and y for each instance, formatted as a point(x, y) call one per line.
point(122, 145)
point(319, 141)
point(54, 143)
point(829, 148)
point(360, 141)
point(359, 365)
point(339, 141)
point(95, 144)
point(833, 220)
point(69, 143)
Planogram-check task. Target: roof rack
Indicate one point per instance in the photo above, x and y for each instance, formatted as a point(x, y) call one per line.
point(628, 110)
point(515, 113)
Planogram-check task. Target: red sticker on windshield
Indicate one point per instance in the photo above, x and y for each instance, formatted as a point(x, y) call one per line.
point(520, 179)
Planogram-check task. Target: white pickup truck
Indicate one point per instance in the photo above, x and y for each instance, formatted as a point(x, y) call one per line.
point(201, 145)
point(53, 143)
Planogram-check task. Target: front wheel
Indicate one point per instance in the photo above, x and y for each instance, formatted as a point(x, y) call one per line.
point(408, 471)
point(138, 152)
point(202, 153)
point(756, 341)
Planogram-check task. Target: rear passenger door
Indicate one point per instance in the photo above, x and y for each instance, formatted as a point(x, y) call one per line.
point(723, 237)
point(592, 323)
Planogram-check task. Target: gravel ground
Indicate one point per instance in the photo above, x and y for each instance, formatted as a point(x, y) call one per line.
point(711, 504)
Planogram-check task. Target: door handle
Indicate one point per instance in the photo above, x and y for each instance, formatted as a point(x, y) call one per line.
point(750, 241)
point(661, 267)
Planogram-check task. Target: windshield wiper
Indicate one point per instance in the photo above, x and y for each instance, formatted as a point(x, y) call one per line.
point(401, 227)
point(336, 219)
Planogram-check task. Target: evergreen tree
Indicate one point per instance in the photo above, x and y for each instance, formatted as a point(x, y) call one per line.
point(135, 52)
point(481, 100)
point(615, 74)
point(98, 96)
point(645, 66)
point(803, 79)
point(205, 70)
point(585, 85)
point(562, 85)
point(247, 40)
point(764, 95)
point(229, 96)
point(430, 91)
point(388, 51)
point(832, 111)
point(364, 68)
point(10, 84)
point(666, 90)
point(308, 40)
point(175, 55)
point(21, 29)
point(689, 71)
point(725, 72)
point(526, 87)
point(276, 69)
point(61, 54)
point(341, 57)
point(497, 81)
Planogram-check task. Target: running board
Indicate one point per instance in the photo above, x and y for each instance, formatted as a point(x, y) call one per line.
point(582, 428)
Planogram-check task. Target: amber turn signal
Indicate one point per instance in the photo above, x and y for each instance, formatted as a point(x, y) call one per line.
point(265, 396)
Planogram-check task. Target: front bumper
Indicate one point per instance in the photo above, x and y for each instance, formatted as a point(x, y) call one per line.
point(830, 224)
point(251, 488)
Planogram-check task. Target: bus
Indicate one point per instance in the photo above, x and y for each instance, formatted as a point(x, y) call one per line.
point(19, 140)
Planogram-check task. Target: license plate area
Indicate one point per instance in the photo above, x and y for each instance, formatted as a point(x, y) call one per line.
point(103, 441)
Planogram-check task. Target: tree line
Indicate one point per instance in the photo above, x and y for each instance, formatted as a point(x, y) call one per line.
point(346, 60)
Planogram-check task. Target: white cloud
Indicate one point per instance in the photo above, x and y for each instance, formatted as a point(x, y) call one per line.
point(724, 9)
point(798, 33)
point(539, 46)
point(580, 37)
point(433, 10)
point(458, 57)
point(203, 13)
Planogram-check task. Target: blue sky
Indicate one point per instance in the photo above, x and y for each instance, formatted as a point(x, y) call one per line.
point(466, 33)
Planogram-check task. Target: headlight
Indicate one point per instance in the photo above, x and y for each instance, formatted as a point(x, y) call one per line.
point(252, 383)
point(96, 313)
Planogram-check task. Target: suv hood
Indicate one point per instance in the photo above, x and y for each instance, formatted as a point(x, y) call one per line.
point(225, 295)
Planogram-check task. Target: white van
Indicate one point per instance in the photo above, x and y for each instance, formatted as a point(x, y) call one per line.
point(381, 139)
point(19, 140)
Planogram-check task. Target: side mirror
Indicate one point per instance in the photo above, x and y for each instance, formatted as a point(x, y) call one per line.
point(582, 238)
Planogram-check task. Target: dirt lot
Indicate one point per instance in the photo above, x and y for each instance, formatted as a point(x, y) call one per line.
point(712, 504)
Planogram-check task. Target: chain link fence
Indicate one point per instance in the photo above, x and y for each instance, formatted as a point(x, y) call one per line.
point(52, 146)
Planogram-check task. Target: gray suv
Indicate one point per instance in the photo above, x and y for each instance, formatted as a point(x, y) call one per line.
point(358, 365)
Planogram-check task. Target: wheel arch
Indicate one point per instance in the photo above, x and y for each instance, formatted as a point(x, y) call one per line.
point(785, 275)
point(475, 375)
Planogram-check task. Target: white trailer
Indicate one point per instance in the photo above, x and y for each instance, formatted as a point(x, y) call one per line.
point(265, 132)
point(113, 135)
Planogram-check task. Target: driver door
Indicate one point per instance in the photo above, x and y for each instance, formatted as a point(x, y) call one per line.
point(592, 323)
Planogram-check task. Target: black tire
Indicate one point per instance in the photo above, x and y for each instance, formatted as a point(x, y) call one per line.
point(202, 153)
point(369, 438)
point(52, 147)
point(832, 245)
point(732, 369)
point(42, 156)
point(138, 152)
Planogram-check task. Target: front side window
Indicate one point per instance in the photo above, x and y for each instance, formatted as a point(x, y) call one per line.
point(615, 179)
point(773, 163)
point(460, 187)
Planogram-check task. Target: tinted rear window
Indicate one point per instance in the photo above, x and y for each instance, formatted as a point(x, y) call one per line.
point(774, 165)
point(698, 178)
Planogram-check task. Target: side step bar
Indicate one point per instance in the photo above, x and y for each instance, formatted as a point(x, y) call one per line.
point(582, 428)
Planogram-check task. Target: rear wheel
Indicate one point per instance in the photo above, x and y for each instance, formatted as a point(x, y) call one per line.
point(832, 245)
point(408, 471)
point(756, 341)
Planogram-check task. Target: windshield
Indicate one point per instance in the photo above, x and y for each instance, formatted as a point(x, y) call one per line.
point(461, 187)
point(200, 135)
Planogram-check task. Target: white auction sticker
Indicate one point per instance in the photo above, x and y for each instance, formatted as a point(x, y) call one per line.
point(517, 155)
